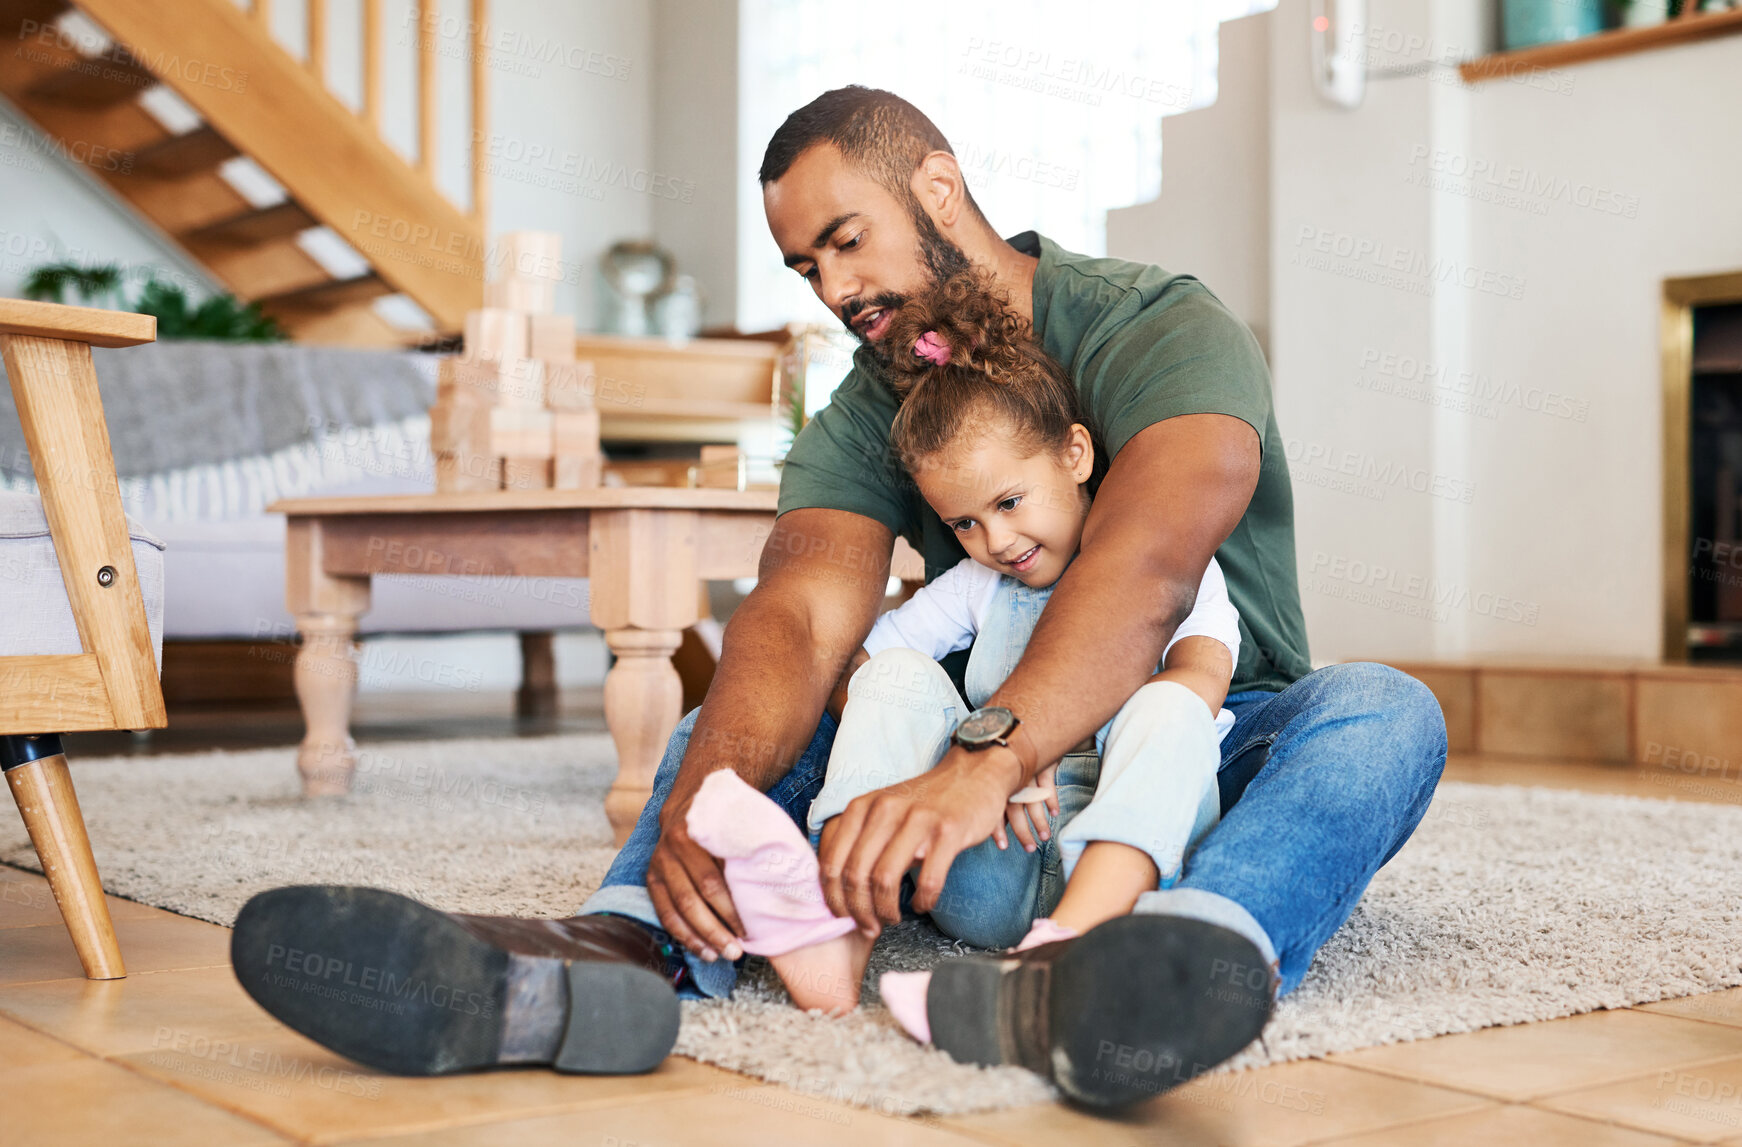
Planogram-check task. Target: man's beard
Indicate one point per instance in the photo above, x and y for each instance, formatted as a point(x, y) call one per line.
point(941, 257)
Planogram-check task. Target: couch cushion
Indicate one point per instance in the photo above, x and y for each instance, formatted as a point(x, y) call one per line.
point(35, 617)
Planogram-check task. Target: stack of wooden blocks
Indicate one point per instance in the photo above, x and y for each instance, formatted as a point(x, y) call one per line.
point(515, 411)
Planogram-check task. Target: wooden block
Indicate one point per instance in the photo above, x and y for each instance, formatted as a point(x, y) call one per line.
point(507, 382)
point(526, 473)
point(700, 378)
point(569, 385)
point(459, 423)
point(463, 473)
point(531, 255)
point(575, 431)
point(552, 337)
point(516, 432)
point(533, 296)
point(577, 471)
point(492, 333)
point(719, 468)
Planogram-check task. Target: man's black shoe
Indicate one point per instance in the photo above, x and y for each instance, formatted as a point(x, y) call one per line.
point(1132, 1008)
point(399, 986)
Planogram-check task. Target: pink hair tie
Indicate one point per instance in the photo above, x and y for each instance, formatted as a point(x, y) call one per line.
point(932, 348)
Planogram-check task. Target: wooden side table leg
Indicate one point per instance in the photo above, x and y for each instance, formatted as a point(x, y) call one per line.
point(537, 696)
point(642, 577)
point(326, 607)
point(326, 686)
point(643, 703)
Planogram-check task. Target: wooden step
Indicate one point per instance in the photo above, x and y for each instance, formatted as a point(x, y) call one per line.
point(328, 158)
point(328, 295)
point(199, 150)
point(256, 226)
point(20, 15)
point(95, 83)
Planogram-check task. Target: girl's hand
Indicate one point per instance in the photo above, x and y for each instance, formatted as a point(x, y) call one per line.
point(1027, 811)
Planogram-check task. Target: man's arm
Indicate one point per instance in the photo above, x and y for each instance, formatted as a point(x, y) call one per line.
point(1171, 497)
point(821, 580)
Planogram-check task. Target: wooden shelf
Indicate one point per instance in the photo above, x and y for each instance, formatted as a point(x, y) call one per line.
point(1618, 42)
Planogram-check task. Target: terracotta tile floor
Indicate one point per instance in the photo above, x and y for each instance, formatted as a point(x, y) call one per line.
point(176, 1053)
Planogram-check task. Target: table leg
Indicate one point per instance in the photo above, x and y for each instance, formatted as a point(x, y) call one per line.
point(643, 703)
point(642, 576)
point(326, 686)
point(326, 607)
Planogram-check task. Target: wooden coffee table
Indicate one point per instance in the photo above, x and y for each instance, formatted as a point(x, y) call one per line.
point(643, 550)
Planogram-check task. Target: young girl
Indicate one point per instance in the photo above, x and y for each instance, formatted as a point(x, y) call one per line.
point(989, 428)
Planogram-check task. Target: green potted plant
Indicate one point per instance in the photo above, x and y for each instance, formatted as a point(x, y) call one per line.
point(221, 317)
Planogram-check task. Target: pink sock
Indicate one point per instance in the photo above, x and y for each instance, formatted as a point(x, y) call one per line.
point(1045, 931)
point(904, 995)
point(904, 992)
point(770, 868)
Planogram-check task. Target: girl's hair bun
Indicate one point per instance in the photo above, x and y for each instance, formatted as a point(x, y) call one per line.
point(992, 367)
point(966, 321)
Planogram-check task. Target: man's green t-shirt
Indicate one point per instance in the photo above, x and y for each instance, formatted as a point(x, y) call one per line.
point(1142, 345)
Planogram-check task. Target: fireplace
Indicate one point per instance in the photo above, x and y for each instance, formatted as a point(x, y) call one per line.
point(1703, 469)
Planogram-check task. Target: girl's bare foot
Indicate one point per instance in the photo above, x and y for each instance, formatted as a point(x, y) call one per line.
point(827, 975)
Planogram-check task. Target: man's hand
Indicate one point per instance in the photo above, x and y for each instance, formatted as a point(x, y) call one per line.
point(689, 890)
point(868, 848)
point(822, 576)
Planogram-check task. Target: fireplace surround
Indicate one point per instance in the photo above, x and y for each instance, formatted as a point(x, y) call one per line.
point(1702, 468)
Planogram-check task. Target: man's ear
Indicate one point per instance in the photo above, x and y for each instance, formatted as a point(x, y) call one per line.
point(939, 185)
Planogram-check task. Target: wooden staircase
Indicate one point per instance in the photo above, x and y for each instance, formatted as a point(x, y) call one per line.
point(256, 100)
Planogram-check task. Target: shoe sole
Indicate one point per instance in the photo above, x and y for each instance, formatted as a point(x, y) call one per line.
point(1136, 1006)
point(398, 986)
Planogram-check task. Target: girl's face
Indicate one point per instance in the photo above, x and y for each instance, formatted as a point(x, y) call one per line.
point(1021, 516)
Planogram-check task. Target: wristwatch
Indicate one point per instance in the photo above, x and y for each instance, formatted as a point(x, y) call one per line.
point(985, 727)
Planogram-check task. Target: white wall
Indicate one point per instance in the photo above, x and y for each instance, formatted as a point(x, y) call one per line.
point(1214, 220)
point(1537, 530)
point(597, 117)
point(695, 142)
point(53, 210)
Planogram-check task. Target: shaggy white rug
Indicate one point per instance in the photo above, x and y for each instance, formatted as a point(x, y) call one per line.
point(1508, 905)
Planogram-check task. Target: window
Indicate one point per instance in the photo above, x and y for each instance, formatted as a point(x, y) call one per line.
point(1054, 110)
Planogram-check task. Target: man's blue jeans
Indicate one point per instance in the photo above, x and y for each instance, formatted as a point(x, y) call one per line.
point(1321, 785)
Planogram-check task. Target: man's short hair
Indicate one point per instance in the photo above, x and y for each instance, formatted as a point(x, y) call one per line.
point(877, 131)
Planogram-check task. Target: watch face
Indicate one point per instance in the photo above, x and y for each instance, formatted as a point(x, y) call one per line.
point(983, 726)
